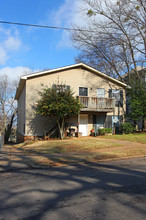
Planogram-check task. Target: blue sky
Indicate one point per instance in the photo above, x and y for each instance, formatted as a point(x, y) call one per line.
point(23, 49)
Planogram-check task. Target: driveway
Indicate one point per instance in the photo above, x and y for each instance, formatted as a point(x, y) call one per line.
point(108, 190)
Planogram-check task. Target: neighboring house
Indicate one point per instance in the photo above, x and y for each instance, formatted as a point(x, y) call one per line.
point(141, 71)
point(103, 100)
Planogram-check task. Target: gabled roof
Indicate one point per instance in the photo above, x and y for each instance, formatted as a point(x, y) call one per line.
point(53, 71)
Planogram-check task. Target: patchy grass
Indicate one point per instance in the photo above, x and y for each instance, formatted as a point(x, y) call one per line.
point(68, 145)
point(135, 137)
point(82, 150)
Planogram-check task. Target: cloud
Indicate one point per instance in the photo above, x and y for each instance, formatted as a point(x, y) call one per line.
point(12, 43)
point(9, 43)
point(16, 72)
point(64, 40)
point(65, 16)
point(69, 14)
point(3, 56)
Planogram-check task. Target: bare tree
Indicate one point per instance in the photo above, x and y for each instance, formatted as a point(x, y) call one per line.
point(7, 105)
point(113, 37)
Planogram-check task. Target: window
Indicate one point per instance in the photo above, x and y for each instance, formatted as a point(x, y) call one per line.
point(100, 93)
point(83, 91)
point(61, 87)
point(118, 95)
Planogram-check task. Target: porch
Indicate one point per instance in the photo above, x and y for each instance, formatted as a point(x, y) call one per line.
point(97, 104)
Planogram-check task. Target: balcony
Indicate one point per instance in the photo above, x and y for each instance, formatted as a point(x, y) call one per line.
point(97, 104)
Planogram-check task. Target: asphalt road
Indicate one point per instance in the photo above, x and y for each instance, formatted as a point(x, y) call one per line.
point(110, 190)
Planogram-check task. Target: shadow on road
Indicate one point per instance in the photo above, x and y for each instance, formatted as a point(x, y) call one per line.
point(80, 191)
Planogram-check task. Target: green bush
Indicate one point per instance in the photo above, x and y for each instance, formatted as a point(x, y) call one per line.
point(127, 128)
point(108, 130)
point(103, 131)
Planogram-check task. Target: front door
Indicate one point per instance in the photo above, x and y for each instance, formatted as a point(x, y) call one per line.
point(83, 125)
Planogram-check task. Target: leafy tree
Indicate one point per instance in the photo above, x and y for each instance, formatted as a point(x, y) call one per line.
point(7, 106)
point(137, 100)
point(112, 38)
point(127, 128)
point(59, 103)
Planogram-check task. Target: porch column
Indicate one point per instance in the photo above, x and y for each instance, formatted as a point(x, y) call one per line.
point(78, 124)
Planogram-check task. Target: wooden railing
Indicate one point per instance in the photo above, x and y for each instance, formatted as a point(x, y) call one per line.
point(97, 103)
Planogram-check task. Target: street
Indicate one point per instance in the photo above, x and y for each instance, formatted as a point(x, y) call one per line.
point(108, 190)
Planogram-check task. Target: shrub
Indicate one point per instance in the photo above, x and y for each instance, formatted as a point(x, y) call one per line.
point(127, 128)
point(103, 131)
point(108, 130)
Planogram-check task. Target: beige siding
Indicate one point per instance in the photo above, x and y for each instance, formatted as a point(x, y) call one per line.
point(39, 125)
point(75, 78)
point(21, 112)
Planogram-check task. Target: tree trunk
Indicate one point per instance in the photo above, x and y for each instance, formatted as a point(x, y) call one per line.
point(135, 125)
point(61, 127)
point(8, 129)
point(144, 125)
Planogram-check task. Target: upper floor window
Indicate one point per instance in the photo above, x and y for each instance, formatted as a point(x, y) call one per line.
point(100, 93)
point(83, 91)
point(60, 87)
point(118, 95)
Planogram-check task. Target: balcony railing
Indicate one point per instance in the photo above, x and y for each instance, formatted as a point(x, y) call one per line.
point(96, 104)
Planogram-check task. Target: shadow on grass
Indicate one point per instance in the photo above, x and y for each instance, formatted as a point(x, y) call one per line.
point(15, 157)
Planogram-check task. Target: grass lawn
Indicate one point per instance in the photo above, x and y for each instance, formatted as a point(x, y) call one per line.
point(88, 149)
point(136, 137)
point(67, 145)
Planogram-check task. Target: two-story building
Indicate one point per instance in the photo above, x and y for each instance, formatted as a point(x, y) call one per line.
point(103, 100)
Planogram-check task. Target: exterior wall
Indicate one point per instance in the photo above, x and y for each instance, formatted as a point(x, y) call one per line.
point(20, 137)
point(21, 113)
point(76, 78)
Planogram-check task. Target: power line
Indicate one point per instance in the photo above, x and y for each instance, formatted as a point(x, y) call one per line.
point(41, 26)
point(51, 27)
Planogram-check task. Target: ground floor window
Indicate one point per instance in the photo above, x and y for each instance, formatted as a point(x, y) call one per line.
point(112, 121)
point(99, 121)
